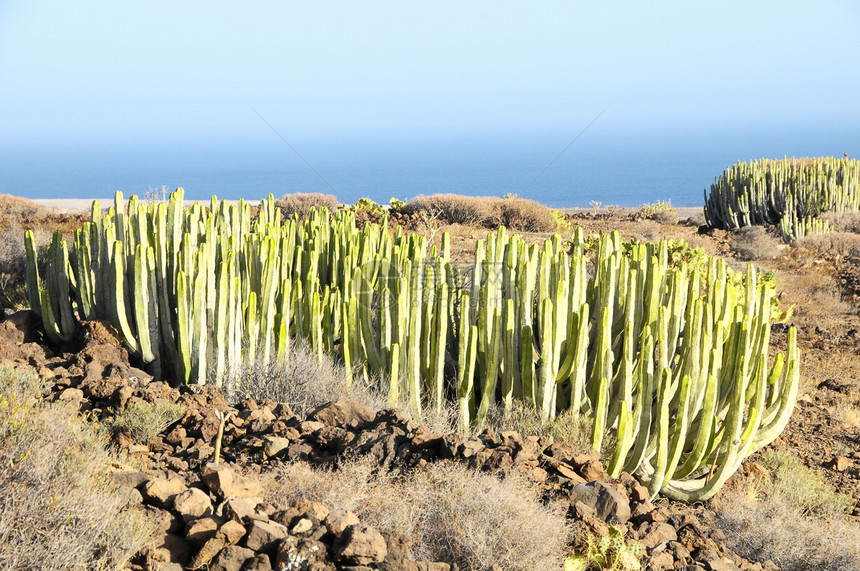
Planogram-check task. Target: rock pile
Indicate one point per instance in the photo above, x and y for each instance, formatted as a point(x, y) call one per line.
point(213, 516)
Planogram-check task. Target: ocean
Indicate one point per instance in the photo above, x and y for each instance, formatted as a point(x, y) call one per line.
point(621, 170)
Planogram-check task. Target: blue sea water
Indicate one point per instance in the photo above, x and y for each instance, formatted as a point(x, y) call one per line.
point(612, 170)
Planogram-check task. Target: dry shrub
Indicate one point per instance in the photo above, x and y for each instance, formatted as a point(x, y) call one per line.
point(833, 243)
point(517, 214)
point(455, 208)
point(449, 512)
point(18, 206)
point(524, 215)
point(13, 266)
point(771, 528)
point(843, 222)
point(302, 381)
point(803, 488)
point(670, 217)
point(302, 202)
point(59, 509)
point(755, 243)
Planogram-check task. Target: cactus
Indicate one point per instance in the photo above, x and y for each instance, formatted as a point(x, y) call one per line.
point(790, 193)
point(671, 359)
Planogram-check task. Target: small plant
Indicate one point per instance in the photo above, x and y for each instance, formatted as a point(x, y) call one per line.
point(369, 206)
point(396, 204)
point(562, 223)
point(610, 552)
point(649, 210)
point(594, 204)
point(145, 420)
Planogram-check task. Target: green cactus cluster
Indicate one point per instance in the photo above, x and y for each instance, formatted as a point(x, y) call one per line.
point(790, 193)
point(669, 360)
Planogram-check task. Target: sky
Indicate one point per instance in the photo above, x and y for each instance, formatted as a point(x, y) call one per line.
point(189, 71)
point(98, 96)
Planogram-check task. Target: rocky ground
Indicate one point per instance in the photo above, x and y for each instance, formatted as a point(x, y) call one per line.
point(215, 515)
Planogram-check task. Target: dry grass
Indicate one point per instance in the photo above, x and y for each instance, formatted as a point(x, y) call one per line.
point(303, 382)
point(845, 222)
point(803, 488)
point(771, 528)
point(302, 202)
point(834, 243)
point(568, 426)
point(17, 206)
point(847, 411)
point(450, 513)
point(794, 519)
point(145, 420)
point(755, 243)
point(59, 511)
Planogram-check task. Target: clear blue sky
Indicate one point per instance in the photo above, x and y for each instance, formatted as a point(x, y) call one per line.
point(78, 73)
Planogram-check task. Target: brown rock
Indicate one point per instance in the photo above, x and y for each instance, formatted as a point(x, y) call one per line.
point(231, 558)
point(259, 562)
point(609, 503)
point(592, 471)
point(209, 551)
point(162, 492)
point(233, 531)
point(841, 463)
point(470, 448)
point(168, 548)
point(302, 526)
point(315, 509)
point(360, 545)
point(222, 481)
point(426, 441)
point(192, 504)
point(238, 509)
point(343, 412)
point(71, 398)
point(568, 472)
point(656, 534)
point(126, 477)
point(199, 531)
point(661, 561)
point(722, 564)
point(639, 493)
point(263, 535)
point(338, 520)
point(641, 509)
point(274, 445)
point(537, 474)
